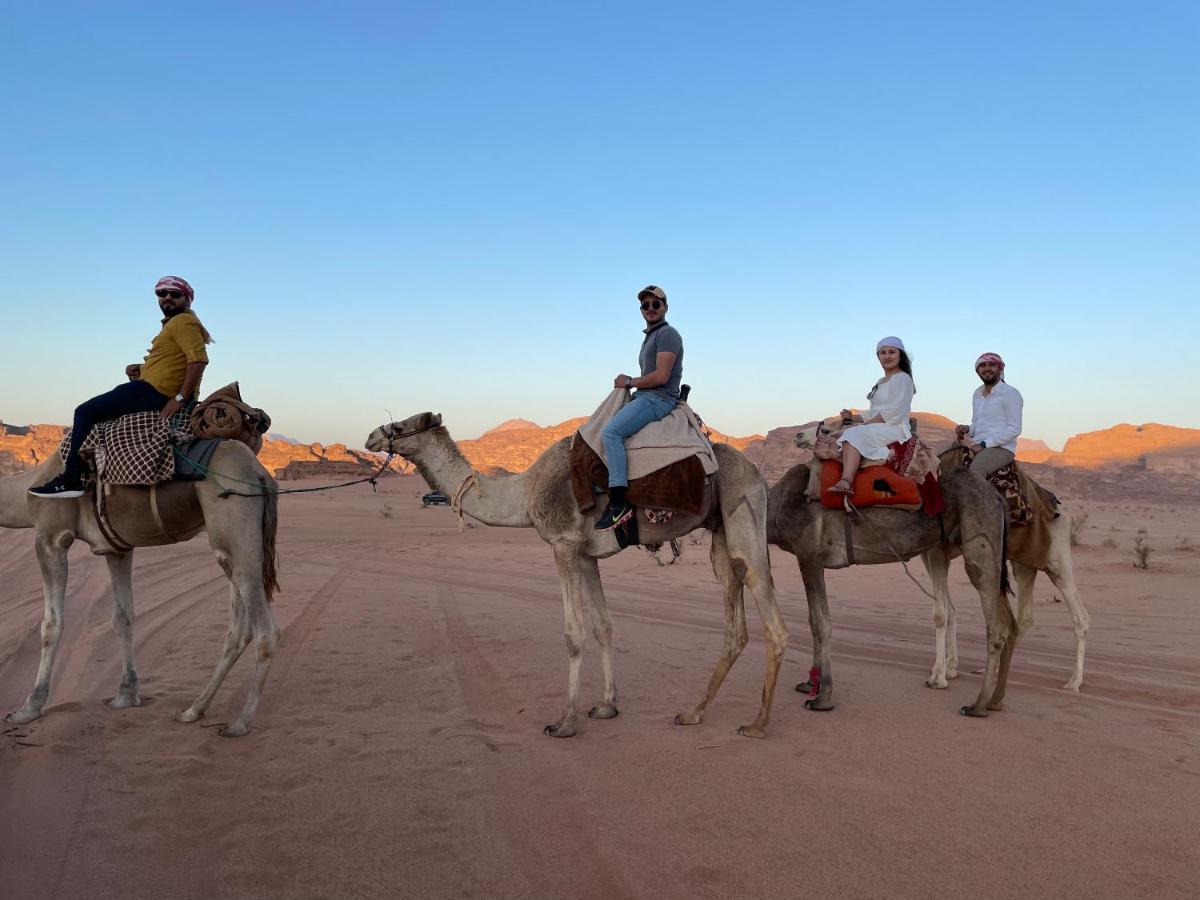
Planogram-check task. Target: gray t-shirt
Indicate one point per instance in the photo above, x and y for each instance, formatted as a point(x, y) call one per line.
point(662, 338)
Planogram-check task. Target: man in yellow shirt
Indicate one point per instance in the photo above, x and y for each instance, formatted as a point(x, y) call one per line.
point(164, 381)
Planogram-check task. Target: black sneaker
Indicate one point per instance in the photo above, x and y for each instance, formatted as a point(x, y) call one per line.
point(614, 514)
point(59, 488)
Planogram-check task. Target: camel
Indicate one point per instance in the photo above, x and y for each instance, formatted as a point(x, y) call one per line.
point(240, 530)
point(1046, 551)
point(975, 524)
point(541, 498)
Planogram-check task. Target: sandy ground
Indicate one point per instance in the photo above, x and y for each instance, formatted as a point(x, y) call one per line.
point(399, 751)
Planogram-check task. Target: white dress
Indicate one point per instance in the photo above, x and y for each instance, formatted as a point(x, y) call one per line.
point(891, 399)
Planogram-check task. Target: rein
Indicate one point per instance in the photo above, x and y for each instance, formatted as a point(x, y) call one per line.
point(372, 479)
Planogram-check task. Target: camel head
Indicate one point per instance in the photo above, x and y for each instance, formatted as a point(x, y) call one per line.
point(816, 432)
point(399, 437)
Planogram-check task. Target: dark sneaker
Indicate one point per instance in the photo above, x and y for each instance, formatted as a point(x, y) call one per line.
point(614, 515)
point(59, 488)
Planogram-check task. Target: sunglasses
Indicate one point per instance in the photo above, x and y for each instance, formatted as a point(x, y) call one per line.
point(651, 304)
point(163, 292)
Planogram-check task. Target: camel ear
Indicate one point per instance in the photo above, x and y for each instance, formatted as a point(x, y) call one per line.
point(424, 421)
point(437, 420)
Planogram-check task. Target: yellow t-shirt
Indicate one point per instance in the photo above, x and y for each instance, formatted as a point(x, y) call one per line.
point(180, 342)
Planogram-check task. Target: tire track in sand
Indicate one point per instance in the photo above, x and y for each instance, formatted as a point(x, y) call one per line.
point(524, 793)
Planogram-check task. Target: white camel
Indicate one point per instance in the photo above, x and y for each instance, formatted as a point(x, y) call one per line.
point(240, 530)
point(541, 498)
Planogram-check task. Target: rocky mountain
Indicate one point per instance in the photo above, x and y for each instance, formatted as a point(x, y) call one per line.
point(1128, 452)
point(1163, 447)
point(25, 446)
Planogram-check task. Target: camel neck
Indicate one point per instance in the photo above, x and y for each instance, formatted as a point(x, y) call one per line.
point(492, 500)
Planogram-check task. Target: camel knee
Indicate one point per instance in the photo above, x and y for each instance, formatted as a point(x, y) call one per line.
point(939, 618)
point(575, 639)
point(51, 630)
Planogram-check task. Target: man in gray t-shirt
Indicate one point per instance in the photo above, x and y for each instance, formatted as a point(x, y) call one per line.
point(661, 362)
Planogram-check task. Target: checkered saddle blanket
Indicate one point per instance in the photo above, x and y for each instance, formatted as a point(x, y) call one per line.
point(134, 449)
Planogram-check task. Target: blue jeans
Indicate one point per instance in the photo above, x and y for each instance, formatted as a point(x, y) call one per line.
point(644, 408)
point(131, 397)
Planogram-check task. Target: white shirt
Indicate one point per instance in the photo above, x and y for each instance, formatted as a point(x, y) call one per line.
point(892, 400)
point(996, 417)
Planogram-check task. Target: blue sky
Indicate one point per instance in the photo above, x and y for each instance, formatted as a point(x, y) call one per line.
point(415, 206)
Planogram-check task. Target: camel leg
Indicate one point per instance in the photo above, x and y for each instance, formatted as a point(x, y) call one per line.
point(571, 579)
point(951, 635)
point(248, 580)
point(821, 623)
point(237, 638)
point(52, 559)
point(937, 564)
point(1024, 577)
point(735, 625)
point(602, 630)
point(1060, 571)
point(120, 570)
point(979, 562)
point(775, 635)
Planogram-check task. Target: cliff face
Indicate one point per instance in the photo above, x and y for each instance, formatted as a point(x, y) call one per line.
point(1131, 444)
point(26, 446)
point(1151, 449)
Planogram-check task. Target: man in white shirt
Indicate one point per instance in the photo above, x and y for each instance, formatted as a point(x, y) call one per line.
point(995, 420)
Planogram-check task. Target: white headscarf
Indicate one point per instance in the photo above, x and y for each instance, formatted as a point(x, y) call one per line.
point(891, 341)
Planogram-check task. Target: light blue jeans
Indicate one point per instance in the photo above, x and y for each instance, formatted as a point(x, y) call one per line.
point(644, 408)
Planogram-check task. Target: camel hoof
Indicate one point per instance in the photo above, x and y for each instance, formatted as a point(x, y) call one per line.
point(124, 702)
point(936, 684)
point(804, 687)
point(22, 716)
point(972, 712)
point(952, 674)
point(689, 719)
point(559, 731)
point(189, 715)
point(817, 705)
point(996, 706)
point(1073, 686)
point(752, 731)
point(604, 711)
point(234, 730)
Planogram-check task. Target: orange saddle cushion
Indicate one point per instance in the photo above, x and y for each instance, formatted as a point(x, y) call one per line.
point(874, 486)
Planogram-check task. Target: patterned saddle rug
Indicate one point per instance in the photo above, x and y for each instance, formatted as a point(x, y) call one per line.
point(140, 448)
point(133, 449)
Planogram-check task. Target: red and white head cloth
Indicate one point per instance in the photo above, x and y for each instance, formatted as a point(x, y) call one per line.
point(175, 283)
point(994, 359)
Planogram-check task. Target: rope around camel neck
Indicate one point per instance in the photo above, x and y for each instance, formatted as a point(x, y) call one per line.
point(229, 492)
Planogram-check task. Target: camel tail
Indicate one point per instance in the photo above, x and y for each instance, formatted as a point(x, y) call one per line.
point(1005, 583)
point(270, 525)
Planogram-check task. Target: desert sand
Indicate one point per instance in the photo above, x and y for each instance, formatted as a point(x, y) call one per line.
point(398, 751)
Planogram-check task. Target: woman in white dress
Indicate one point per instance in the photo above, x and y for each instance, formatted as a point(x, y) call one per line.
point(887, 419)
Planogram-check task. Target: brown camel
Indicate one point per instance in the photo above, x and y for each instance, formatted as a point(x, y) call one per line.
point(1031, 550)
point(975, 523)
point(240, 530)
point(541, 498)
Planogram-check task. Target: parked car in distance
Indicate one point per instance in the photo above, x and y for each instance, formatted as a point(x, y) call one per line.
point(435, 498)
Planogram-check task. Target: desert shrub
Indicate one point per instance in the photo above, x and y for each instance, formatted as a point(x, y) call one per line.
point(1077, 524)
point(1141, 549)
point(1185, 544)
point(1109, 544)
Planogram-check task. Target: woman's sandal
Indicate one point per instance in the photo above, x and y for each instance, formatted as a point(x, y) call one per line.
point(841, 486)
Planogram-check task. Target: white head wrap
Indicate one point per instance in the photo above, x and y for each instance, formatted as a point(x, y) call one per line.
point(891, 341)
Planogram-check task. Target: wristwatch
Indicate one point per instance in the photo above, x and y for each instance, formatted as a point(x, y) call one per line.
point(179, 398)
